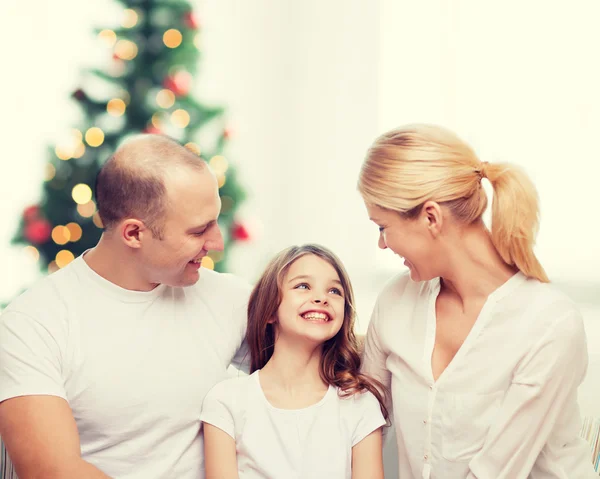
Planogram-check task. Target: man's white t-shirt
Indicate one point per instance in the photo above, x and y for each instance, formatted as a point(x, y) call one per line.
point(133, 366)
point(314, 442)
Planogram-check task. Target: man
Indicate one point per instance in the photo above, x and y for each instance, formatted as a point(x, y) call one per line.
point(105, 363)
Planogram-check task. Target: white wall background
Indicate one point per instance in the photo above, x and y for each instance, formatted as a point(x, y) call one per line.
point(310, 84)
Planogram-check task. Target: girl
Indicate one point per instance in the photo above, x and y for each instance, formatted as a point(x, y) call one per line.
point(305, 411)
point(483, 356)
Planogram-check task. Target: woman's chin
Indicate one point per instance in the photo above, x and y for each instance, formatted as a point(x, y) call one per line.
point(414, 275)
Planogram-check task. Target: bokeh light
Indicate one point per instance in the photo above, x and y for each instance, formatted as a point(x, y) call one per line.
point(116, 107)
point(208, 263)
point(81, 193)
point(97, 221)
point(50, 172)
point(61, 235)
point(180, 118)
point(108, 36)
point(126, 50)
point(130, 18)
point(62, 153)
point(193, 147)
point(157, 120)
point(79, 151)
point(172, 38)
point(219, 164)
point(86, 210)
point(75, 232)
point(32, 252)
point(94, 136)
point(68, 145)
point(165, 98)
point(63, 258)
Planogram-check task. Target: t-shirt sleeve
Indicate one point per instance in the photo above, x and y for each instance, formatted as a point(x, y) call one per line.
point(31, 356)
point(217, 407)
point(367, 416)
point(241, 358)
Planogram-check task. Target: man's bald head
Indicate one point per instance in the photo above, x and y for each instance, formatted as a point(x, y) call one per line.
point(131, 184)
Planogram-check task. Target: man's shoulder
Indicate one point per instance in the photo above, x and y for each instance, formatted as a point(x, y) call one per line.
point(46, 294)
point(213, 282)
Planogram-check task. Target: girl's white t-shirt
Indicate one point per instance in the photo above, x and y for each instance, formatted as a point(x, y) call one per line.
point(313, 442)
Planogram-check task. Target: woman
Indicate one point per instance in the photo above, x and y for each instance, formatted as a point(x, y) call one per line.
point(482, 355)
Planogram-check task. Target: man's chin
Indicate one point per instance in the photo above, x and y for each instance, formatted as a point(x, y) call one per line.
point(188, 279)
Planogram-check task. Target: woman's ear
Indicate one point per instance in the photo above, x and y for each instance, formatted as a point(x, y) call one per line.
point(433, 217)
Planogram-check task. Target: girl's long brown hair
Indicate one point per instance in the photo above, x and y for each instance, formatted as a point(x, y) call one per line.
point(340, 358)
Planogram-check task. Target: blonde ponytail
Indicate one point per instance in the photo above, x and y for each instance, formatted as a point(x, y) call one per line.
point(515, 217)
point(408, 166)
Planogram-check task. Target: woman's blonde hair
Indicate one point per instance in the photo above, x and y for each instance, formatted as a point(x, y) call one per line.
point(408, 166)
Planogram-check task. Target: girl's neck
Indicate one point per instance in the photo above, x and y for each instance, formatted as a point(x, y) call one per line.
point(293, 368)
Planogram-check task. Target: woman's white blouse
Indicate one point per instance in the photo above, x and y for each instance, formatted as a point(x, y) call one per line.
point(506, 406)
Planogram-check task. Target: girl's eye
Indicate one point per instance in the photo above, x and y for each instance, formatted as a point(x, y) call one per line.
point(336, 291)
point(301, 286)
point(381, 228)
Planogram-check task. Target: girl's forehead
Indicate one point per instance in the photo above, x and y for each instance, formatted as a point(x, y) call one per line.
point(309, 267)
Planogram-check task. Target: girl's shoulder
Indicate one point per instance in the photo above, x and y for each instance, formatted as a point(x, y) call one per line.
point(361, 413)
point(359, 401)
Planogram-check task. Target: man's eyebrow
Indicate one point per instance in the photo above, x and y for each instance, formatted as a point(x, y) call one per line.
point(201, 227)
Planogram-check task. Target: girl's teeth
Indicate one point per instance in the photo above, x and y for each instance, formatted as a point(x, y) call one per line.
point(316, 317)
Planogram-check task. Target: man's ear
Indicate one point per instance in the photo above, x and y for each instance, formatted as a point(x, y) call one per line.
point(132, 232)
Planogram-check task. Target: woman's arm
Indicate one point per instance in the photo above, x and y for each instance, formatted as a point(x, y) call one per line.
point(375, 357)
point(543, 385)
point(367, 457)
point(220, 460)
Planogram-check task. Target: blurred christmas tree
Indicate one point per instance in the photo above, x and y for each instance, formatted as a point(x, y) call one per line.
point(146, 88)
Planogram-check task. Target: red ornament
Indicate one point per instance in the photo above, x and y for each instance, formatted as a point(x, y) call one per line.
point(239, 232)
point(31, 213)
point(179, 83)
point(191, 20)
point(153, 130)
point(38, 231)
point(227, 132)
point(79, 95)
